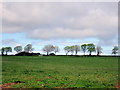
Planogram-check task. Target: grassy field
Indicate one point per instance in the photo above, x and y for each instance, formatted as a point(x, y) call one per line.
point(60, 71)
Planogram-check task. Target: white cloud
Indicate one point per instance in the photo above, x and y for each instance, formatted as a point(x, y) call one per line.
point(61, 33)
point(10, 42)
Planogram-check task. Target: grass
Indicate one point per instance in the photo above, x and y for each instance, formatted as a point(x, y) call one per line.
point(60, 71)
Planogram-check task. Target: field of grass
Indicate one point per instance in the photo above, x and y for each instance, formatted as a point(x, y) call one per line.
point(60, 71)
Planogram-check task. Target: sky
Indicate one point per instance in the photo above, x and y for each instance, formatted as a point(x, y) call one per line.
point(60, 24)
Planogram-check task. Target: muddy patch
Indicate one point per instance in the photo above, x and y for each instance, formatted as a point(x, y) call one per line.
point(9, 85)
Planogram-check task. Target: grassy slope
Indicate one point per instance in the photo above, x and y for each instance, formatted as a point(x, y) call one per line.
point(60, 71)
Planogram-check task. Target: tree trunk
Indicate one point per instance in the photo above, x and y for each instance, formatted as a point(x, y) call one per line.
point(47, 53)
point(84, 53)
point(6, 52)
point(98, 53)
point(2, 53)
point(67, 53)
point(76, 52)
point(72, 53)
point(90, 53)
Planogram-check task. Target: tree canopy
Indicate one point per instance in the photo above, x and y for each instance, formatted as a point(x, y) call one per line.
point(18, 49)
point(28, 48)
point(115, 50)
point(84, 48)
point(91, 48)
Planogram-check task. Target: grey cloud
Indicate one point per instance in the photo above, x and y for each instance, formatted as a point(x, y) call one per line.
point(61, 20)
point(31, 15)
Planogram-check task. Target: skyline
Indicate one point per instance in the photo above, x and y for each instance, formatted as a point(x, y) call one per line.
point(60, 24)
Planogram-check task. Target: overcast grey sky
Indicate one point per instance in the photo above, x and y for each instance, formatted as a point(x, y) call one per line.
point(71, 22)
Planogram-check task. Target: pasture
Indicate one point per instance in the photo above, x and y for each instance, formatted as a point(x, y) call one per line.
point(59, 72)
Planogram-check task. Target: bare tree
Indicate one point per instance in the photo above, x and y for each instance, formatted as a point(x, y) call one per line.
point(56, 49)
point(48, 48)
point(67, 49)
point(99, 50)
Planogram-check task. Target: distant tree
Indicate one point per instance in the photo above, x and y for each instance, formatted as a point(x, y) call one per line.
point(18, 49)
point(67, 49)
point(7, 49)
point(91, 48)
point(84, 48)
point(56, 49)
point(48, 48)
point(99, 50)
point(76, 49)
point(115, 50)
point(2, 50)
point(72, 49)
point(28, 48)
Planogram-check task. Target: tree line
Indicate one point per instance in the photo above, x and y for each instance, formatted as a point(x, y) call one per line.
point(74, 49)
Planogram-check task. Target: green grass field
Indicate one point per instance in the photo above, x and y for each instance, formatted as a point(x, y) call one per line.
point(60, 71)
